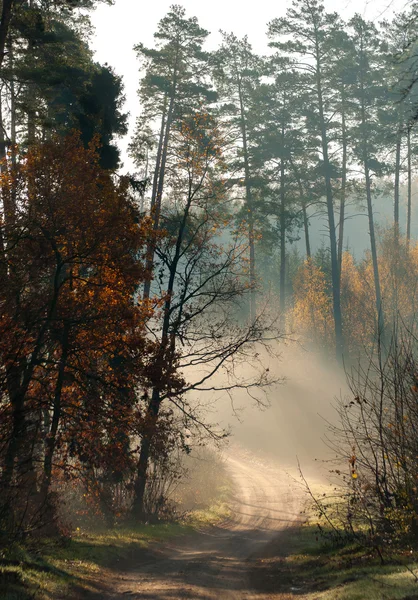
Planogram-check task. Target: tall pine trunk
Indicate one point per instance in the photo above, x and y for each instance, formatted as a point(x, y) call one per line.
point(343, 180)
point(6, 15)
point(373, 247)
point(304, 209)
point(409, 210)
point(397, 185)
point(282, 243)
point(157, 173)
point(160, 168)
point(306, 230)
point(248, 201)
point(335, 271)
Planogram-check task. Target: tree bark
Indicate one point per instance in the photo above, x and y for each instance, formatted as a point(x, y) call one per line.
point(409, 210)
point(248, 201)
point(158, 183)
point(335, 272)
point(138, 507)
point(343, 180)
point(56, 415)
point(373, 248)
point(306, 229)
point(157, 173)
point(166, 343)
point(282, 242)
point(18, 381)
point(397, 185)
point(304, 210)
point(6, 15)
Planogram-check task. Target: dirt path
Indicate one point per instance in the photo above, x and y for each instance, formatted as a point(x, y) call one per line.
point(213, 564)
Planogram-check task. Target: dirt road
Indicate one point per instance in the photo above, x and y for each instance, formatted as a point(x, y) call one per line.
point(213, 564)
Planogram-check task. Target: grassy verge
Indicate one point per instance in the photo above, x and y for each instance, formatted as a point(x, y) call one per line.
point(300, 565)
point(51, 570)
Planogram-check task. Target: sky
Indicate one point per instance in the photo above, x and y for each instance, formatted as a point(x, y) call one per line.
point(127, 22)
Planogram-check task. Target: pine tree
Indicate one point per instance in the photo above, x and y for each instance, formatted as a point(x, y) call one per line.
point(175, 86)
point(237, 72)
point(307, 34)
point(366, 95)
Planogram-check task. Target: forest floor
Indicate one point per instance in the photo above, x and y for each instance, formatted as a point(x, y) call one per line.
point(259, 548)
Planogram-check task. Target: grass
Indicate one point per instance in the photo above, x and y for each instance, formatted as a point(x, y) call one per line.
point(51, 570)
point(303, 566)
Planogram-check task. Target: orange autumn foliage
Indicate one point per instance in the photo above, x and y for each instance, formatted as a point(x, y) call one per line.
point(73, 345)
point(398, 271)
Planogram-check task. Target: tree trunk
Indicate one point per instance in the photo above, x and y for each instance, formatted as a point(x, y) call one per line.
point(157, 173)
point(138, 507)
point(335, 272)
point(248, 202)
point(6, 15)
point(18, 381)
point(282, 244)
point(343, 181)
point(306, 229)
point(56, 416)
point(12, 108)
point(304, 210)
point(409, 212)
point(397, 186)
point(373, 248)
point(9, 208)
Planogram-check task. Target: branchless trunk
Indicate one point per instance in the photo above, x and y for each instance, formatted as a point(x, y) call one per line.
point(32, 100)
point(6, 15)
point(373, 247)
point(302, 195)
point(306, 230)
point(335, 271)
point(282, 236)
point(248, 200)
point(343, 180)
point(12, 105)
point(159, 175)
point(7, 194)
point(397, 184)
point(409, 210)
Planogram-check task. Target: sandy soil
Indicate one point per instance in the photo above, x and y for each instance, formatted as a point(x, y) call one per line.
point(215, 563)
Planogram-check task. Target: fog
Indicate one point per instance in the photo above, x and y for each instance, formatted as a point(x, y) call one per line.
point(292, 425)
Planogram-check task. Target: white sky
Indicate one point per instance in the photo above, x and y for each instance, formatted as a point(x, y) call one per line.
point(128, 22)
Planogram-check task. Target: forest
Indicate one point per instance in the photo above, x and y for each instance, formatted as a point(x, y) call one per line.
point(128, 299)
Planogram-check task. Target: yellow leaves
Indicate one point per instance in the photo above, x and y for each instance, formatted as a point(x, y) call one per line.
point(312, 311)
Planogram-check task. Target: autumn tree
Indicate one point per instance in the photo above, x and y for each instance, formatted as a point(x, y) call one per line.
point(307, 34)
point(237, 73)
point(312, 311)
point(365, 99)
point(203, 278)
point(73, 346)
point(280, 141)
